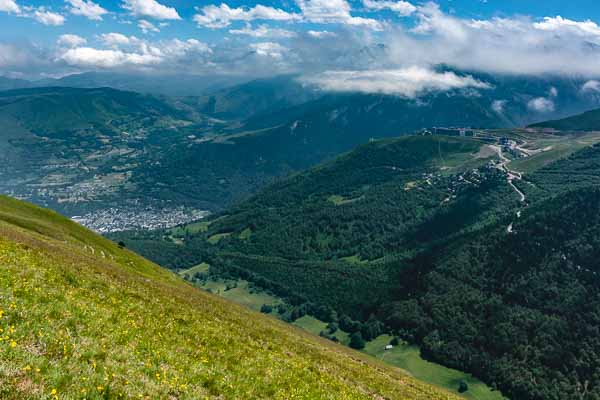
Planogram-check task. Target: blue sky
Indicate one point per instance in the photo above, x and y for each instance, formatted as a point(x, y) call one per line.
point(15, 27)
point(42, 38)
point(576, 9)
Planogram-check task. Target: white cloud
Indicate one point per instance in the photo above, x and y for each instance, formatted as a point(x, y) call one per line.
point(591, 86)
point(316, 11)
point(48, 17)
point(517, 45)
point(90, 57)
point(334, 12)
point(403, 8)
point(212, 16)
point(408, 82)
point(269, 49)
point(132, 52)
point(150, 9)
point(433, 21)
point(541, 104)
point(115, 39)
point(263, 31)
point(179, 48)
point(147, 26)
point(164, 49)
point(69, 40)
point(87, 8)
point(498, 106)
point(9, 6)
point(566, 26)
point(12, 56)
point(320, 34)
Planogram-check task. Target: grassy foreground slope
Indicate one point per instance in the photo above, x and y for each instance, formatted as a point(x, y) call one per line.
point(82, 318)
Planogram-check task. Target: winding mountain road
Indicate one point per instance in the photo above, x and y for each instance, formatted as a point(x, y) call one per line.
point(511, 175)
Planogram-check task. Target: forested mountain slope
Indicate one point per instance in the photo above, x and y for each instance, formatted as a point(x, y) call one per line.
point(83, 318)
point(425, 235)
point(520, 309)
point(354, 118)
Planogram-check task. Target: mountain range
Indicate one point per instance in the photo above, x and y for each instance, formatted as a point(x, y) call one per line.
point(210, 151)
point(169, 85)
point(435, 220)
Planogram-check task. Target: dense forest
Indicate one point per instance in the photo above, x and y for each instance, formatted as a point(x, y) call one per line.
point(411, 236)
point(519, 309)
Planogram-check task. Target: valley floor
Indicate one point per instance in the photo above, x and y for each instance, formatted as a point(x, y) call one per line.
point(403, 355)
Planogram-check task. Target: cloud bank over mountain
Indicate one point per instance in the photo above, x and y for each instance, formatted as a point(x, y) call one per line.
point(382, 46)
point(408, 82)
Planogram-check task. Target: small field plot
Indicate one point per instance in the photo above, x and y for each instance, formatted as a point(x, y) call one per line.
point(408, 358)
point(214, 239)
point(241, 294)
point(315, 326)
point(190, 272)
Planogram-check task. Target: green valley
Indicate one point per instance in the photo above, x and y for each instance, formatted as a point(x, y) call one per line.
point(402, 355)
point(440, 240)
point(83, 318)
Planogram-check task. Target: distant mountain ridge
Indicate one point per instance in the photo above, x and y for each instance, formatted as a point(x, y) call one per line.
point(208, 152)
point(255, 97)
point(170, 85)
point(239, 97)
point(588, 121)
point(10, 84)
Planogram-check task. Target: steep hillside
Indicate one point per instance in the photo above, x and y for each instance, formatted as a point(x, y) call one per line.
point(83, 318)
point(588, 121)
point(329, 236)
